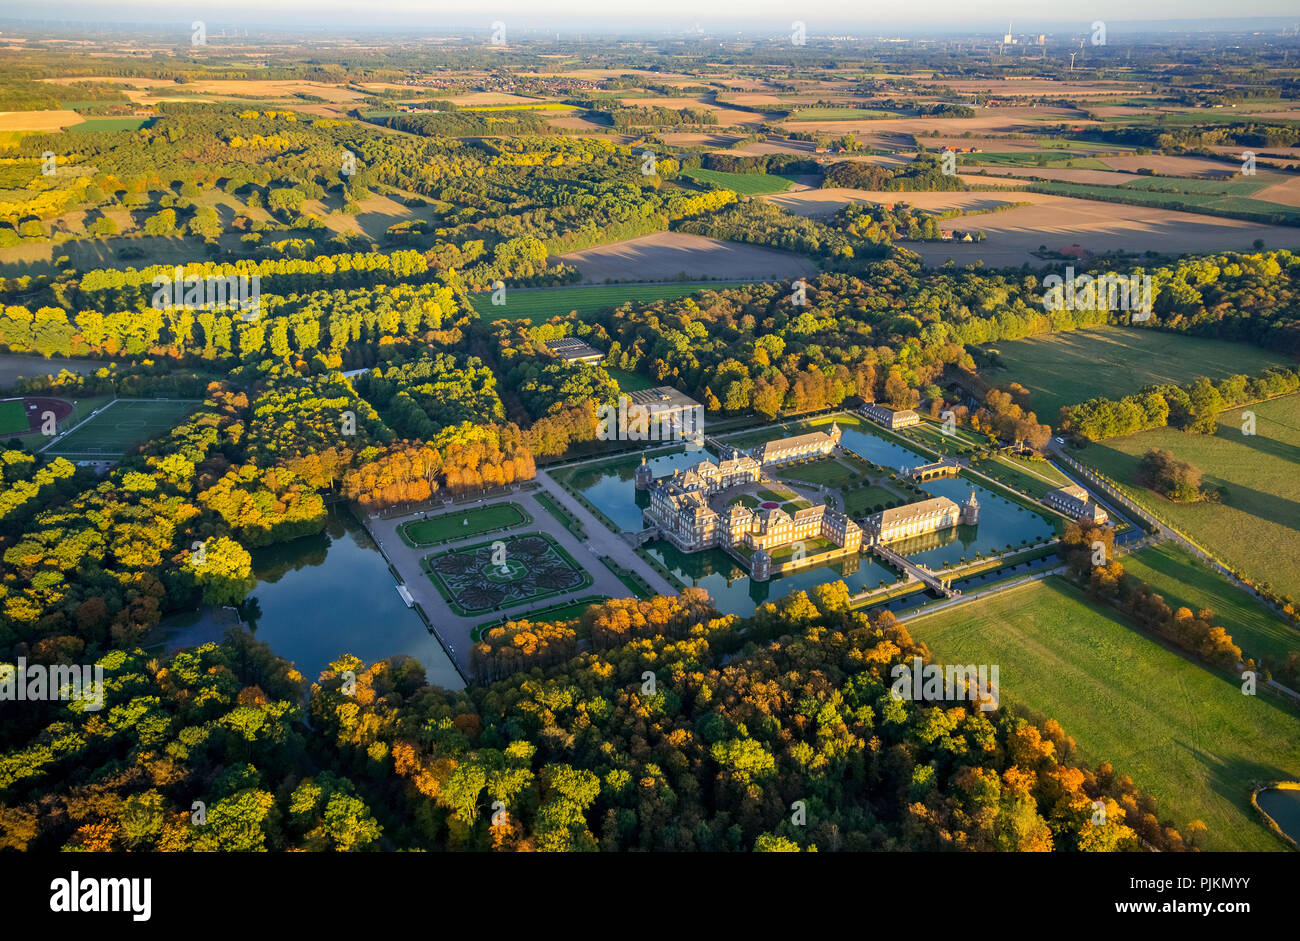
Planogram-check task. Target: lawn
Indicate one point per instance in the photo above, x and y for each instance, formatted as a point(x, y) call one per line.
point(809, 547)
point(1183, 734)
point(539, 305)
point(120, 426)
point(566, 520)
point(1186, 581)
point(746, 184)
point(1256, 528)
point(462, 524)
point(828, 472)
point(13, 417)
point(932, 435)
point(864, 502)
point(1067, 368)
point(629, 381)
point(1034, 478)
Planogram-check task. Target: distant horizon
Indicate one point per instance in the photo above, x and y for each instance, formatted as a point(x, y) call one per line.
point(742, 18)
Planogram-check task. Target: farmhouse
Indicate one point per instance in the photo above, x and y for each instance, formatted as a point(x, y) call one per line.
point(890, 418)
point(919, 519)
point(1074, 502)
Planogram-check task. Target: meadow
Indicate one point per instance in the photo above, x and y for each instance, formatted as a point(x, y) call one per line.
point(1067, 368)
point(1183, 734)
point(539, 305)
point(1255, 528)
point(1186, 581)
point(746, 184)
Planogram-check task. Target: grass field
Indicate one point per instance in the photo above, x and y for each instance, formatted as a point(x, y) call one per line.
point(1067, 368)
point(120, 426)
point(1198, 185)
point(841, 114)
point(539, 305)
point(1183, 734)
point(1256, 529)
point(1185, 581)
point(91, 125)
point(746, 184)
point(829, 472)
point(629, 381)
point(13, 417)
point(464, 523)
point(1034, 478)
point(1032, 158)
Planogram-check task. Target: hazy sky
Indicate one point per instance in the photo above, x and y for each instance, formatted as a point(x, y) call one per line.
point(821, 16)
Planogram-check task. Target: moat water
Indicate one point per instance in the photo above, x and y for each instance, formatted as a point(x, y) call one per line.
point(320, 597)
point(1003, 526)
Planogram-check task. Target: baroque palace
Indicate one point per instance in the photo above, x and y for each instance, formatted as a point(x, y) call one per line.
point(680, 510)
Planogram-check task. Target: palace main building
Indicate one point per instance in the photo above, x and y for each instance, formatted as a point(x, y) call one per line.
point(919, 519)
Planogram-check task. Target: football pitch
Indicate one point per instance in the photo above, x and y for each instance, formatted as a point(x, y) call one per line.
point(119, 426)
point(13, 417)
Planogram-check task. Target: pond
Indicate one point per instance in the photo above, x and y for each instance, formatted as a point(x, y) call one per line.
point(322, 596)
point(734, 592)
point(1284, 807)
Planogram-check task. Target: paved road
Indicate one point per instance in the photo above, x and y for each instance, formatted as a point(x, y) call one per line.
point(452, 629)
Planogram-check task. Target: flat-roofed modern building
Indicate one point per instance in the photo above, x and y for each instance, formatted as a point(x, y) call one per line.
point(573, 350)
point(673, 414)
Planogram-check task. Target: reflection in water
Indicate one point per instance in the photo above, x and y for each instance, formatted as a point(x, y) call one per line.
point(734, 592)
point(319, 597)
point(1284, 807)
point(1002, 525)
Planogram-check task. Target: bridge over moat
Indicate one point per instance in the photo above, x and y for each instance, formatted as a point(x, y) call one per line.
point(919, 572)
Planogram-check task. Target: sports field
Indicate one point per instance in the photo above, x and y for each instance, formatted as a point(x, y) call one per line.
point(1067, 368)
point(746, 184)
point(539, 305)
point(461, 524)
point(1183, 734)
point(120, 426)
point(13, 417)
point(1255, 528)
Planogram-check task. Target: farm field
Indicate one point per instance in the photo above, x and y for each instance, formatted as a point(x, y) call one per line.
point(1233, 204)
point(122, 425)
point(668, 256)
point(746, 184)
point(1256, 528)
point(1185, 735)
point(539, 305)
point(463, 524)
point(1067, 368)
point(1185, 580)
